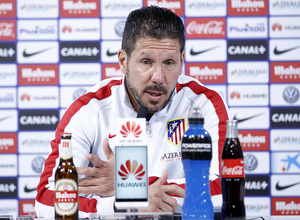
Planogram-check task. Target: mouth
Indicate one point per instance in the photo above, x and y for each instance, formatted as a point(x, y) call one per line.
point(154, 96)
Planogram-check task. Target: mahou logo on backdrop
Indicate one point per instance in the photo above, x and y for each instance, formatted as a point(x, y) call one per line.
point(38, 74)
point(79, 8)
point(285, 72)
point(27, 207)
point(247, 7)
point(131, 168)
point(286, 206)
point(207, 72)
point(205, 28)
point(8, 142)
point(254, 140)
point(111, 70)
point(174, 5)
point(8, 8)
point(7, 30)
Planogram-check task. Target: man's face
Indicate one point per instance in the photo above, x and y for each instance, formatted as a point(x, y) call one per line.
point(152, 72)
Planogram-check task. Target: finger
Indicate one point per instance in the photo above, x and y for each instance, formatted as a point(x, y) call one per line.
point(108, 152)
point(89, 171)
point(174, 189)
point(103, 190)
point(163, 179)
point(165, 206)
point(95, 160)
point(91, 181)
point(88, 181)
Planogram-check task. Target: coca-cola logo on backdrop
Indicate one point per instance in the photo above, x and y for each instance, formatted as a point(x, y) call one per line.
point(8, 30)
point(205, 28)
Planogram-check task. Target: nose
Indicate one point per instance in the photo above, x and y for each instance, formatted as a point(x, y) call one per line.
point(158, 75)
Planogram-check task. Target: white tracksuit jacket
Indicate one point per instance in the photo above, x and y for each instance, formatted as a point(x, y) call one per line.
point(93, 116)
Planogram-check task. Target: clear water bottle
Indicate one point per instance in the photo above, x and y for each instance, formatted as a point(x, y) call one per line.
point(196, 150)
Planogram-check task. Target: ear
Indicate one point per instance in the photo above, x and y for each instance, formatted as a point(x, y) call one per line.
point(182, 61)
point(122, 57)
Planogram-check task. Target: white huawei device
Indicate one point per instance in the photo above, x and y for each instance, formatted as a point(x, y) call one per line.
point(131, 164)
point(131, 177)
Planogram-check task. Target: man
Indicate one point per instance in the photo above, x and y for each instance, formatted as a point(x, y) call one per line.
point(152, 59)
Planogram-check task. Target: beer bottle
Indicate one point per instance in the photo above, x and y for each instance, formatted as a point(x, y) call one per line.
point(66, 182)
point(233, 175)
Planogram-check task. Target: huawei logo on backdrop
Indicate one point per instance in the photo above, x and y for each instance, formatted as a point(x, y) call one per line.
point(235, 94)
point(277, 26)
point(25, 97)
point(131, 128)
point(67, 28)
point(135, 169)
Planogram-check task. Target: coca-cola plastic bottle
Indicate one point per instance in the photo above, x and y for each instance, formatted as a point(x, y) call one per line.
point(233, 175)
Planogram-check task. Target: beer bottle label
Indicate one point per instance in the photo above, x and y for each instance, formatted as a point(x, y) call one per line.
point(232, 168)
point(66, 197)
point(65, 149)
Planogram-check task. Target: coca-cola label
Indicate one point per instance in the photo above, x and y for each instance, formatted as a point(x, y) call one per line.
point(205, 28)
point(66, 197)
point(232, 168)
point(8, 30)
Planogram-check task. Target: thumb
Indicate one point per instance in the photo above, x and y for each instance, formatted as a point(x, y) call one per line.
point(108, 152)
point(163, 179)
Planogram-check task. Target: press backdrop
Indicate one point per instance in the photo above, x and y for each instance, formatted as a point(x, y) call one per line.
point(52, 51)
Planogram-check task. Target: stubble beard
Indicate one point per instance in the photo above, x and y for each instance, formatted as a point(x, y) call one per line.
point(138, 98)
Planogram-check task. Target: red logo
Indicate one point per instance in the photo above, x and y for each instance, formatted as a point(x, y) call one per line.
point(38, 74)
point(66, 196)
point(8, 8)
point(205, 28)
point(174, 5)
point(276, 26)
point(79, 8)
point(247, 7)
point(232, 168)
point(111, 135)
point(66, 28)
point(131, 169)
point(207, 72)
point(111, 70)
point(25, 97)
point(235, 94)
point(286, 206)
point(8, 143)
point(131, 128)
point(27, 207)
point(7, 30)
point(65, 144)
point(285, 72)
point(254, 140)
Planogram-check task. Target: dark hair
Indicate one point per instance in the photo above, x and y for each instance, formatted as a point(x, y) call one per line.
point(152, 22)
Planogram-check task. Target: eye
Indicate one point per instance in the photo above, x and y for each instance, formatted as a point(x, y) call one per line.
point(169, 62)
point(146, 62)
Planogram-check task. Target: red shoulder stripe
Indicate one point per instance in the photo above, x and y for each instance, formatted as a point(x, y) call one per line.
point(217, 103)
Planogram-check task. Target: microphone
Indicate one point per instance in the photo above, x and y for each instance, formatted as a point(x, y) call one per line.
point(142, 112)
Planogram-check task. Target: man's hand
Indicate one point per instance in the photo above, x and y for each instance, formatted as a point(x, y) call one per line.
point(100, 178)
point(159, 196)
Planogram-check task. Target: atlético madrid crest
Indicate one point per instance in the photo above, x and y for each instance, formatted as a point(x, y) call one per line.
point(176, 129)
